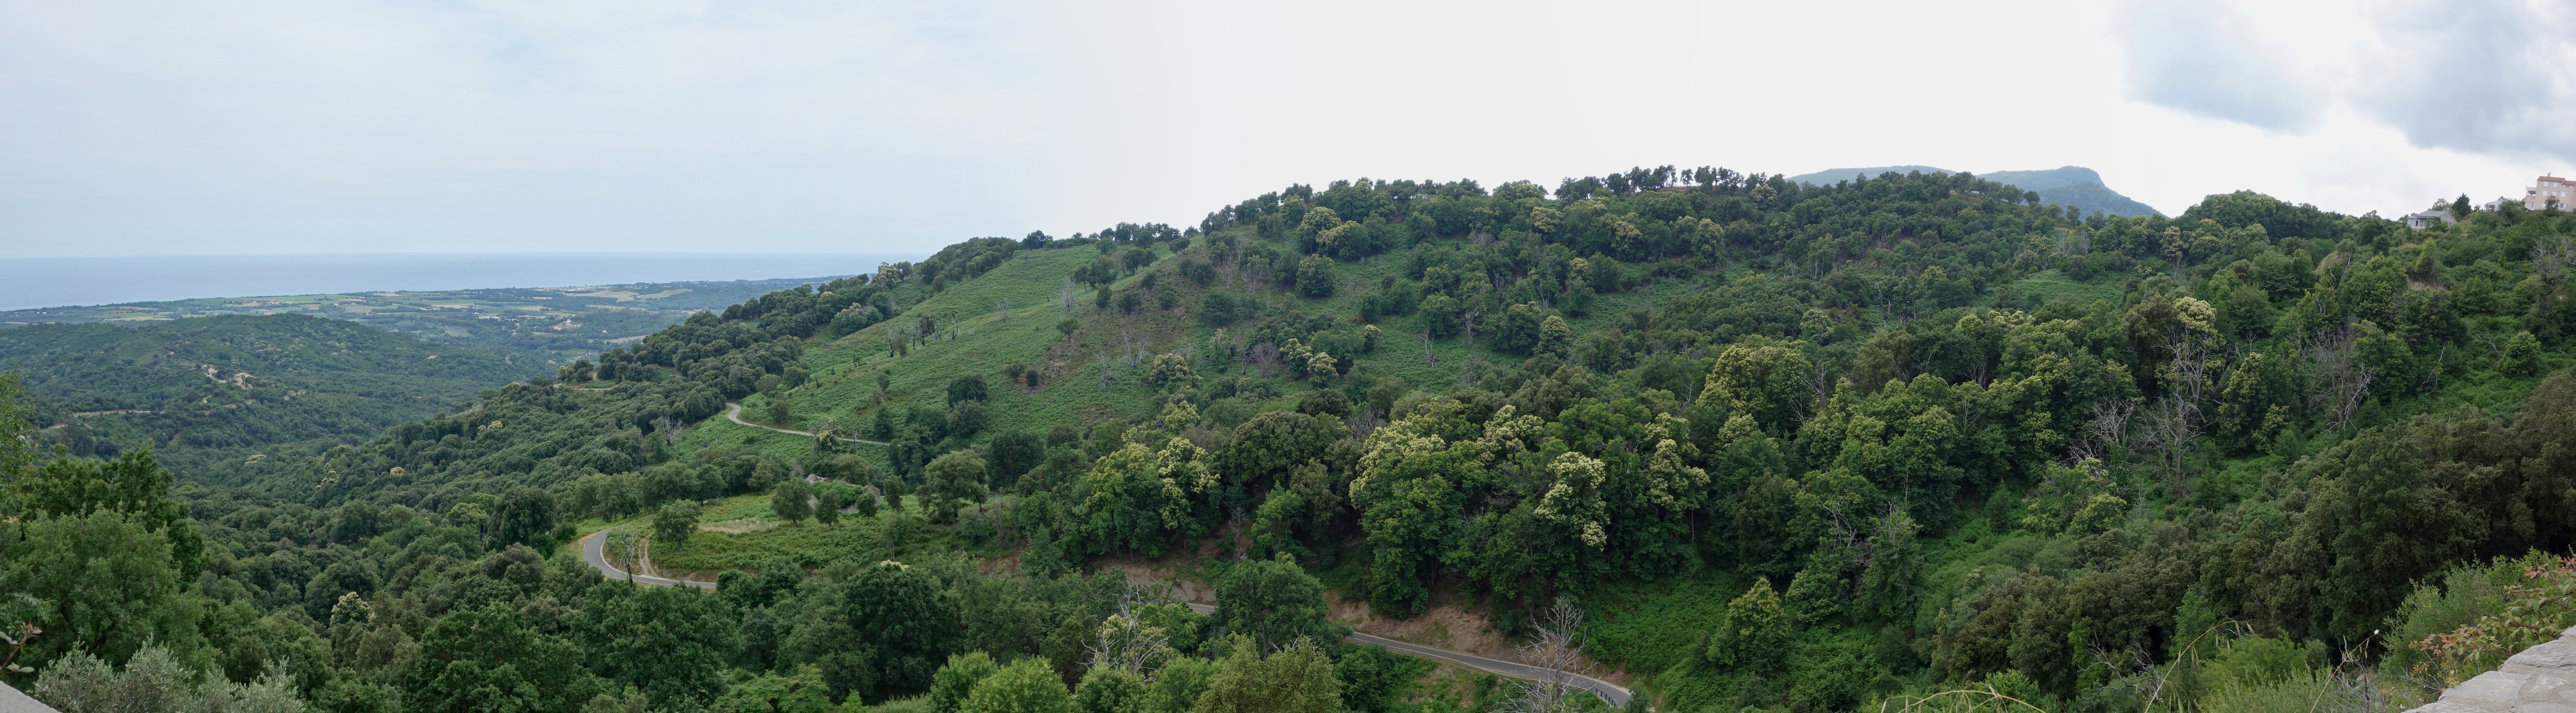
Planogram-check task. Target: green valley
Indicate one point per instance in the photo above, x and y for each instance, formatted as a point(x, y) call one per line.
point(1917, 441)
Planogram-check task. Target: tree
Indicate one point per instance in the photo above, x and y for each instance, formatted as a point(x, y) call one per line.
point(1025, 686)
point(950, 686)
point(1274, 602)
point(883, 632)
point(1296, 679)
point(17, 449)
point(1171, 371)
point(673, 524)
point(1755, 634)
point(1766, 380)
point(1315, 276)
point(1516, 331)
point(670, 643)
point(133, 483)
point(157, 680)
point(792, 499)
point(967, 418)
point(827, 506)
point(577, 372)
point(1440, 316)
point(103, 584)
point(1273, 444)
point(966, 388)
point(951, 481)
point(1140, 498)
point(1014, 453)
point(780, 414)
point(1555, 337)
point(1108, 689)
point(523, 516)
point(1557, 652)
point(489, 659)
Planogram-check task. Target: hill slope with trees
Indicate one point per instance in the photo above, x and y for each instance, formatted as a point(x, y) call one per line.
point(209, 389)
point(1915, 438)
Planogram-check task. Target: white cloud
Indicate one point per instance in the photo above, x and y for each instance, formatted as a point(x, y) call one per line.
point(143, 126)
point(2208, 57)
point(2490, 77)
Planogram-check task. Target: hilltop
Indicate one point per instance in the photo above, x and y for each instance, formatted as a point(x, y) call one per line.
point(2066, 185)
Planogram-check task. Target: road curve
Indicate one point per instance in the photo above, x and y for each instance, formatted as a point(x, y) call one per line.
point(1608, 691)
point(733, 412)
point(593, 551)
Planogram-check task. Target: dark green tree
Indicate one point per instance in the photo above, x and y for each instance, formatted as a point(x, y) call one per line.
point(1274, 602)
point(1315, 276)
point(673, 524)
point(523, 516)
point(490, 659)
point(670, 643)
point(132, 483)
point(99, 582)
point(951, 481)
point(792, 499)
point(966, 388)
point(1014, 453)
point(881, 633)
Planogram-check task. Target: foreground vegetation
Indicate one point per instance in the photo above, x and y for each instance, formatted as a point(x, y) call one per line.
point(1910, 441)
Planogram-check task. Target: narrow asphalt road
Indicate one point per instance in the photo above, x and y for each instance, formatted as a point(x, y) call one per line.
point(593, 550)
point(1608, 691)
point(733, 412)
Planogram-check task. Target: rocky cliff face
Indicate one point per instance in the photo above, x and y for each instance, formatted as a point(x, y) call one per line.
point(2541, 679)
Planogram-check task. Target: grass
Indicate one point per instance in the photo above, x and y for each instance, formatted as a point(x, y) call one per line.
point(808, 544)
point(1654, 627)
point(742, 532)
point(975, 337)
point(2047, 285)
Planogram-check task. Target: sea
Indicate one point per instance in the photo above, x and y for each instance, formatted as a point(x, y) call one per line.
point(28, 283)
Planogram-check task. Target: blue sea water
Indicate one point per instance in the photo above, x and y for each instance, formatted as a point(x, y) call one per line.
point(27, 283)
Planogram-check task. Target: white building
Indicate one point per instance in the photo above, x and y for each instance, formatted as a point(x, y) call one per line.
point(2547, 190)
point(2430, 218)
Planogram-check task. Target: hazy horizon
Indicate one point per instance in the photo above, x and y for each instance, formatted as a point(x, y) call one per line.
point(44, 282)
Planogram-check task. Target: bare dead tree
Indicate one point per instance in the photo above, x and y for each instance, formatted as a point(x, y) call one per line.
point(1558, 655)
point(2173, 423)
point(2337, 378)
point(1128, 644)
point(2106, 429)
point(2550, 257)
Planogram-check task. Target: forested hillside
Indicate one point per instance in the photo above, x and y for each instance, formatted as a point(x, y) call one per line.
point(206, 390)
point(1917, 439)
point(555, 324)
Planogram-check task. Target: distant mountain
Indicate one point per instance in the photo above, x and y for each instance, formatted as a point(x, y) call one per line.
point(2066, 185)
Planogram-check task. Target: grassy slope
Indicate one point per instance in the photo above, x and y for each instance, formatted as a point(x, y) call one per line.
point(975, 337)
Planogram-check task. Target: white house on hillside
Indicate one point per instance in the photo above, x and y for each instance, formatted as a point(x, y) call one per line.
point(2430, 218)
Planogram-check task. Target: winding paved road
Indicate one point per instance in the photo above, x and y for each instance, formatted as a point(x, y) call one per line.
point(733, 412)
point(592, 551)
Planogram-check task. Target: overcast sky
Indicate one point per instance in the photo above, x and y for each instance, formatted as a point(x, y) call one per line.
point(282, 126)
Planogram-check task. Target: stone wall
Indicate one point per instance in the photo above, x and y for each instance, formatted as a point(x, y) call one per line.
point(2541, 679)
